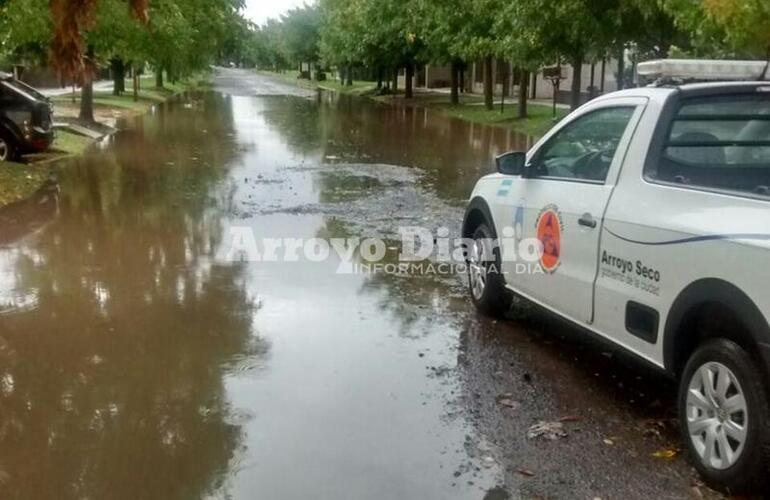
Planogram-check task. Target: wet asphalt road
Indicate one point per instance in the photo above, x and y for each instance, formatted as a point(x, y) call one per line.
point(137, 362)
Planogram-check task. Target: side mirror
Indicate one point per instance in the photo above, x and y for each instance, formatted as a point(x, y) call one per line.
point(511, 163)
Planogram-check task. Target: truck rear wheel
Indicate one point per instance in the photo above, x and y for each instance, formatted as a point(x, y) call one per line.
point(485, 276)
point(725, 418)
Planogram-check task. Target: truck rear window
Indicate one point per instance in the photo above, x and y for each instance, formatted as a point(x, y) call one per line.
point(720, 142)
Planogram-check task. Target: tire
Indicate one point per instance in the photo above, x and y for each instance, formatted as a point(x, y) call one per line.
point(486, 282)
point(8, 150)
point(744, 428)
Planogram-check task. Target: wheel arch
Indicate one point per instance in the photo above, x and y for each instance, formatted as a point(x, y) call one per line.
point(477, 213)
point(720, 300)
point(7, 126)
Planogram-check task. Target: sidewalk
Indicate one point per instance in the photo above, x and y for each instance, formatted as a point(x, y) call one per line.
point(99, 86)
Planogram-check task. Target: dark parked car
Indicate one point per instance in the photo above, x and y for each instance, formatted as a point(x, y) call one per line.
point(25, 119)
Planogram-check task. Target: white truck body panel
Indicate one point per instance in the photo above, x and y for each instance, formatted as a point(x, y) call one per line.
point(652, 240)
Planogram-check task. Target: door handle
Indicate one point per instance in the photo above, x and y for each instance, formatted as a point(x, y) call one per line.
point(587, 221)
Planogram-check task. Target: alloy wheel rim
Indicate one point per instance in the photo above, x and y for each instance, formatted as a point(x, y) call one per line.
point(477, 269)
point(3, 150)
point(717, 416)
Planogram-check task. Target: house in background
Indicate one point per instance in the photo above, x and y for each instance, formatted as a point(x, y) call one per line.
point(596, 79)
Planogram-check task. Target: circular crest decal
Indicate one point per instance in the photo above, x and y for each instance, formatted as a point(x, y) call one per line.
point(549, 230)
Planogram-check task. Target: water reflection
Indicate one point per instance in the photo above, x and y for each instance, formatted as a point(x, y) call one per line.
point(111, 383)
point(453, 153)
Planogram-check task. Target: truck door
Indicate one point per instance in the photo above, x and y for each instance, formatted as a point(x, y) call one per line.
point(563, 197)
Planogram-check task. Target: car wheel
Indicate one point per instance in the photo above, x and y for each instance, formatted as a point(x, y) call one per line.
point(7, 148)
point(485, 277)
point(723, 409)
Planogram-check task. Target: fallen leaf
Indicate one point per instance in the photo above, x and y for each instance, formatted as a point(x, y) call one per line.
point(609, 442)
point(525, 472)
point(666, 454)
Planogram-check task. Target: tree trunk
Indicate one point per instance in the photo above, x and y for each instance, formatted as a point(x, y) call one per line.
point(379, 78)
point(577, 84)
point(523, 89)
point(604, 75)
point(488, 85)
point(455, 76)
point(534, 85)
point(87, 101)
point(409, 85)
point(349, 76)
point(87, 92)
point(621, 68)
point(395, 80)
point(136, 84)
point(159, 77)
point(118, 76)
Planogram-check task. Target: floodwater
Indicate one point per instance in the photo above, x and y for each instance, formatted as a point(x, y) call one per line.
point(138, 361)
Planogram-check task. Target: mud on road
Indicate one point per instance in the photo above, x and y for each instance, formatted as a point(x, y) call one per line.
point(136, 363)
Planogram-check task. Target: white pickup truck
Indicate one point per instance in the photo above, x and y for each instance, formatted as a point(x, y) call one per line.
point(649, 214)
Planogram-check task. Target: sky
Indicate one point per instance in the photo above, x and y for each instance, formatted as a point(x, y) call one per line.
point(260, 11)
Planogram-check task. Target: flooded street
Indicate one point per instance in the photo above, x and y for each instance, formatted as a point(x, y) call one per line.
point(137, 362)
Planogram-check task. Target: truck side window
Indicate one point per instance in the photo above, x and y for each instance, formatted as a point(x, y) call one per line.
point(584, 149)
point(719, 142)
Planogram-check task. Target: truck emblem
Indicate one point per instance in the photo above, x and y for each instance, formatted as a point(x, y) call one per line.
point(549, 231)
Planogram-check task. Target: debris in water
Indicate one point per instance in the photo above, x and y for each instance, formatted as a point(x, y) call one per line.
point(547, 430)
point(666, 454)
point(507, 401)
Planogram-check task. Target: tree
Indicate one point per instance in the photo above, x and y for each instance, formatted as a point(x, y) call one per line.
point(517, 41)
point(724, 28)
point(476, 40)
point(342, 26)
point(71, 21)
point(441, 20)
point(300, 31)
point(25, 31)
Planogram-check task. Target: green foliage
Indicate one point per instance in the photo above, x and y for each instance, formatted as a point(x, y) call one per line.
point(25, 31)
point(300, 30)
point(724, 28)
point(183, 36)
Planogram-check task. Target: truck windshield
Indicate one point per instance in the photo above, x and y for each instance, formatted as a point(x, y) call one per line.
point(720, 142)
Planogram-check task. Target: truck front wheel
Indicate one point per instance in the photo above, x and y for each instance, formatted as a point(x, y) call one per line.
point(724, 416)
point(485, 276)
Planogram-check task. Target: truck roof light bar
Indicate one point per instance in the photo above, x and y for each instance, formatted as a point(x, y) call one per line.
point(703, 70)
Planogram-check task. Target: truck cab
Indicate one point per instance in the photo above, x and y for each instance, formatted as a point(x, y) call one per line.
point(644, 218)
point(25, 119)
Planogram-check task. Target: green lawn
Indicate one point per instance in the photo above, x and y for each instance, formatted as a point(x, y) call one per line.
point(538, 122)
point(18, 181)
point(358, 87)
point(70, 143)
point(148, 94)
